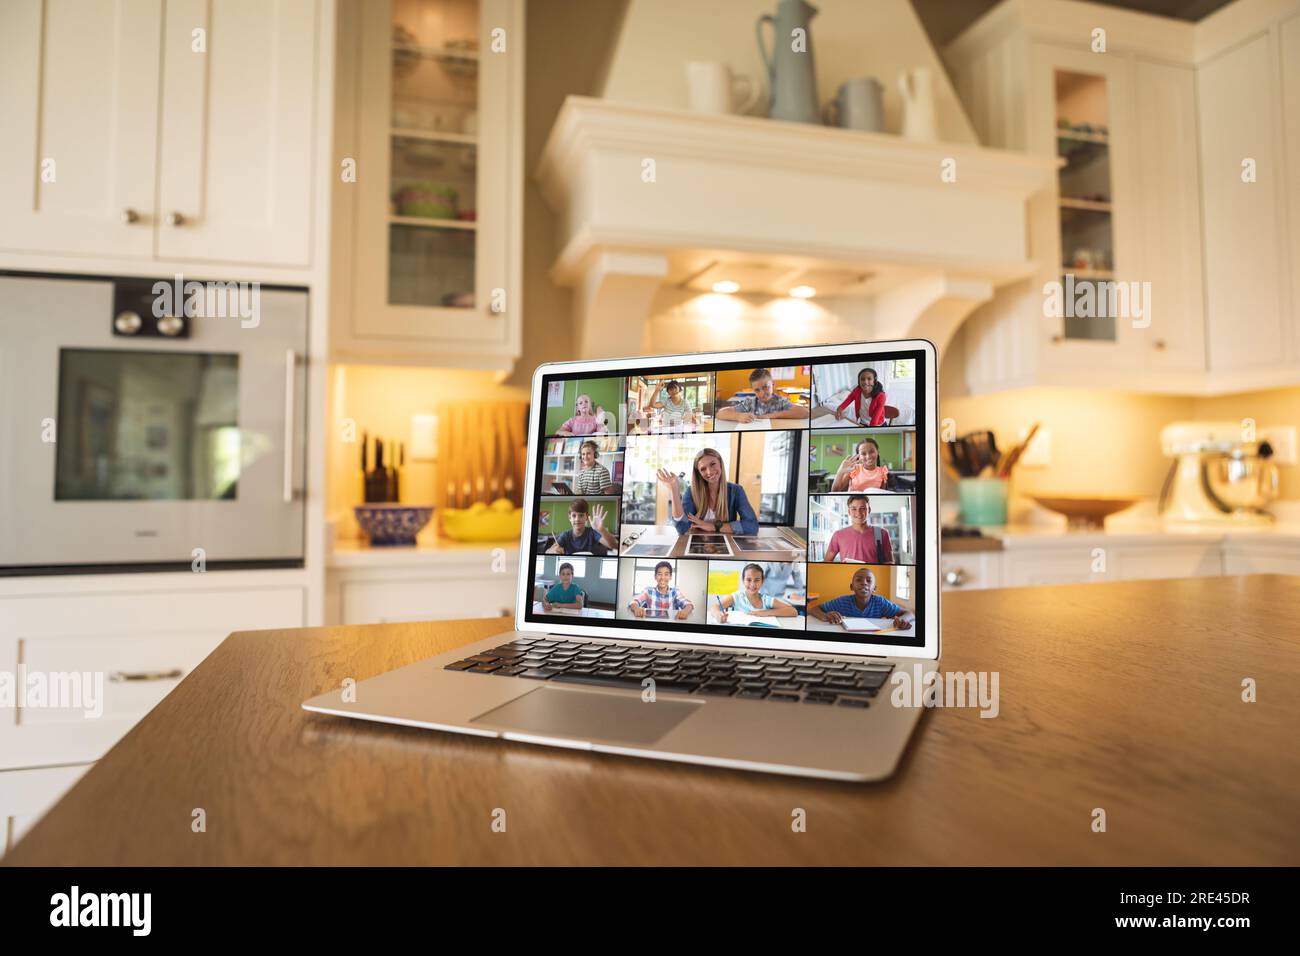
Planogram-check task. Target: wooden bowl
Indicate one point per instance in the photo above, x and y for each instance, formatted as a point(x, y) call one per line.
point(1085, 514)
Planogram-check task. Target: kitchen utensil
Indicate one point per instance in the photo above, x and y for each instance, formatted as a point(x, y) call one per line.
point(859, 104)
point(1008, 461)
point(712, 88)
point(917, 89)
point(387, 525)
point(791, 76)
point(1084, 514)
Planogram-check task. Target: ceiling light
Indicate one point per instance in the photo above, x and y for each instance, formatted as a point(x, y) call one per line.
point(726, 287)
point(803, 292)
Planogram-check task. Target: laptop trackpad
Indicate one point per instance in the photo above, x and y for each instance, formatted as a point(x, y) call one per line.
point(555, 712)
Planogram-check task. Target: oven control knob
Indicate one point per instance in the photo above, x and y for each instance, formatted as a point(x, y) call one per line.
point(170, 325)
point(128, 323)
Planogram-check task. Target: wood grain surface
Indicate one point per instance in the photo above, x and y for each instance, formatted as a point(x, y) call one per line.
point(1123, 696)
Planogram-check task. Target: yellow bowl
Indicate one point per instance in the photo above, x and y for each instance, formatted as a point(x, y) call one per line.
point(499, 521)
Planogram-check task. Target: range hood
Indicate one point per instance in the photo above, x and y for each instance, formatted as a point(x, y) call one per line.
point(907, 237)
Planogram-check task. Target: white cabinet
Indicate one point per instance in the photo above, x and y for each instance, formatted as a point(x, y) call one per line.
point(237, 131)
point(25, 795)
point(1290, 40)
point(127, 648)
point(79, 114)
point(970, 570)
point(1243, 178)
point(427, 237)
point(1254, 556)
point(159, 129)
point(373, 587)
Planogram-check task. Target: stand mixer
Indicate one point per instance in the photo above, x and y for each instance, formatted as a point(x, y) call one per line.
point(1217, 477)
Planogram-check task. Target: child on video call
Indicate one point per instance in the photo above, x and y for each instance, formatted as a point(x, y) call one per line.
point(764, 403)
point(869, 387)
point(662, 600)
point(564, 593)
point(593, 477)
point(712, 504)
point(861, 470)
point(676, 409)
point(751, 600)
point(585, 420)
point(584, 537)
point(863, 602)
point(860, 541)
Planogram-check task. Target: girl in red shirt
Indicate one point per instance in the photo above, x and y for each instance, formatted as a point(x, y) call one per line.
point(869, 387)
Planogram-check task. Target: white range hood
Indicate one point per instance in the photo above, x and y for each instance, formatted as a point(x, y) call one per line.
point(912, 236)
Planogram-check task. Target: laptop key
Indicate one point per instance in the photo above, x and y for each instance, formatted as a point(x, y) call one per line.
point(538, 673)
point(483, 658)
point(854, 702)
point(785, 697)
point(483, 668)
point(459, 666)
point(754, 693)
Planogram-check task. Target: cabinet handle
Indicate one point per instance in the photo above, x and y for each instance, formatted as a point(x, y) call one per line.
point(175, 219)
point(1160, 345)
point(1058, 339)
point(130, 215)
point(119, 677)
point(290, 364)
point(954, 578)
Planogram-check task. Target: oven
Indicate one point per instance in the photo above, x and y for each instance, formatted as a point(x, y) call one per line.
point(150, 424)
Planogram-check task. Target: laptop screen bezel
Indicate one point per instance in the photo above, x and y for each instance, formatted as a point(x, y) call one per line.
point(927, 568)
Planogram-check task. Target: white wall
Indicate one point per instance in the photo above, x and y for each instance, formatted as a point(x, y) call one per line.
point(850, 38)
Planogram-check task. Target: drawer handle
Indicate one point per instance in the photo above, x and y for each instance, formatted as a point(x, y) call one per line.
point(119, 677)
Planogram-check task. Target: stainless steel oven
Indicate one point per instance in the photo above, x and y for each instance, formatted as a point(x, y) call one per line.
point(150, 423)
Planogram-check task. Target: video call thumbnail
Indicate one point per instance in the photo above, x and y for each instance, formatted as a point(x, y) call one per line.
point(865, 528)
point(862, 460)
point(852, 394)
point(724, 497)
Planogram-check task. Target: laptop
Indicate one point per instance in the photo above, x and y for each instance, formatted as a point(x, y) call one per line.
point(697, 630)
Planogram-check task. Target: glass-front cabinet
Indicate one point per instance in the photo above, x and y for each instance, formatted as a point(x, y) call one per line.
point(435, 120)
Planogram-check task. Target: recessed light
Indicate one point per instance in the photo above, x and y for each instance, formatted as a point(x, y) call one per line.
point(726, 287)
point(803, 292)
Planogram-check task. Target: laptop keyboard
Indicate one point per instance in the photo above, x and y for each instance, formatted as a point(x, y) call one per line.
point(709, 673)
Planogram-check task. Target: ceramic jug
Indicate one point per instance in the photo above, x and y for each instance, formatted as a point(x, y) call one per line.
point(791, 77)
point(917, 89)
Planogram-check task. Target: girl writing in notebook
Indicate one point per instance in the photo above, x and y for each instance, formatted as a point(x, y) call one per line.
point(750, 599)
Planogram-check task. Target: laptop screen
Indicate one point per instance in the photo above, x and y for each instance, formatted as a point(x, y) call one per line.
point(695, 498)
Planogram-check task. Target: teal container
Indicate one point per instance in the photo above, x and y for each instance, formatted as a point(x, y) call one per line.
point(983, 501)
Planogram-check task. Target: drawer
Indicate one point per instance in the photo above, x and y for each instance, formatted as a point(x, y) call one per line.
point(127, 673)
point(1142, 563)
point(426, 599)
point(26, 795)
point(970, 571)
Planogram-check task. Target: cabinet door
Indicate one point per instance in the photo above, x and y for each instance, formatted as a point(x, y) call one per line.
point(1243, 249)
point(438, 210)
point(79, 114)
point(238, 128)
point(1081, 110)
point(1290, 31)
point(1170, 217)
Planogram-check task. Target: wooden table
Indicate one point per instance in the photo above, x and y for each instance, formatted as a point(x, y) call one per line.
point(1121, 696)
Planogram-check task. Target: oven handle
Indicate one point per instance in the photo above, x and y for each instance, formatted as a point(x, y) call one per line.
point(290, 367)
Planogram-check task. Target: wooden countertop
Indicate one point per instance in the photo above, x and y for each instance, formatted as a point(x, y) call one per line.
point(1123, 696)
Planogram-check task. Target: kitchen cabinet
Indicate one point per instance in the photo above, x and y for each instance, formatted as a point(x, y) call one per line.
point(1179, 107)
point(428, 234)
point(365, 587)
point(1261, 556)
point(134, 644)
point(159, 129)
point(1243, 216)
point(970, 570)
point(79, 88)
point(25, 795)
point(237, 132)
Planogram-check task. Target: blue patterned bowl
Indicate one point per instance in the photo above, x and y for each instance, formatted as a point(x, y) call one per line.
point(391, 524)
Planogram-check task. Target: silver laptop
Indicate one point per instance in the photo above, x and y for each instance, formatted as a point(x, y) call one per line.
point(747, 593)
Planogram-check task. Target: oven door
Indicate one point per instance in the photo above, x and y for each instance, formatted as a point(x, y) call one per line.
point(146, 450)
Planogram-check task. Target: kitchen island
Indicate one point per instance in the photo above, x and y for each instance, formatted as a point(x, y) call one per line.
point(1123, 697)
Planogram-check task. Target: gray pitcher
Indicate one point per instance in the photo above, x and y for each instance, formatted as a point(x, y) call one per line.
point(791, 77)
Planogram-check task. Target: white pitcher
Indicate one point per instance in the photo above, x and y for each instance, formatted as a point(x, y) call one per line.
point(917, 89)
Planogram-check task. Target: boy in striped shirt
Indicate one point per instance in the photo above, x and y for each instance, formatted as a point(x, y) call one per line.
point(662, 600)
